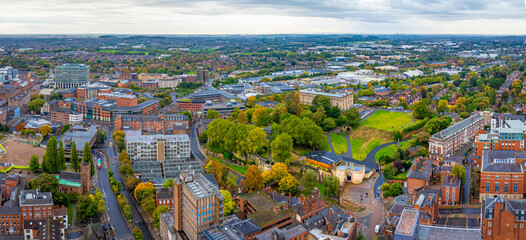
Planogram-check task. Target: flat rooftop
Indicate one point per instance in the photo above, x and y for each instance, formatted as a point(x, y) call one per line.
point(156, 137)
point(408, 222)
point(80, 134)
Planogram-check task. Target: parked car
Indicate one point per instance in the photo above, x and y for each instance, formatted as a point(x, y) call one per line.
point(377, 229)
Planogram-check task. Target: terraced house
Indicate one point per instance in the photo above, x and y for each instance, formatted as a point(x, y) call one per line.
point(503, 219)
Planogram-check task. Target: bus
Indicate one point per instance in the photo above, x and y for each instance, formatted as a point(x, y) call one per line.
point(98, 163)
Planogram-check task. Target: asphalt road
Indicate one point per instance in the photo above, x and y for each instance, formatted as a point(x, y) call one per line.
point(465, 210)
point(194, 145)
point(116, 217)
point(136, 216)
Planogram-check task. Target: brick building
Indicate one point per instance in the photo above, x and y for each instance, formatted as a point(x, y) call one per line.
point(66, 116)
point(450, 191)
point(419, 175)
point(47, 228)
point(191, 105)
point(76, 182)
point(122, 99)
point(97, 109)
point(161, 123)
point(449, 140)
point(8, 183)
point(309, 207)
point(92, 90)
point(164, 196)
point(502, 173)
point(503, 219)
point(264, 211)
point(341, 100)
point(504, 135)
point(35, 205)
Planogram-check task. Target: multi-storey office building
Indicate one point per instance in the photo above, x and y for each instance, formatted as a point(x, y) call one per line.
point(449, 140)
point(168, 153)
point(341, 100)
point(92, 90)
point(505, 135)
point(66, 116)
point(71, 75)
point(198, 204)
point(224, 109)
point(162, 123)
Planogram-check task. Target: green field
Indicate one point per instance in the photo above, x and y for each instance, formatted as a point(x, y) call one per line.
point(108, 51)
point(339, 143)
point(389, 150)
point(400, 176)
point(360, 149)
point(386, 120)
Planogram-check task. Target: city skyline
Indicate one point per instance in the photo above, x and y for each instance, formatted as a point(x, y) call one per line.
point(268, 17)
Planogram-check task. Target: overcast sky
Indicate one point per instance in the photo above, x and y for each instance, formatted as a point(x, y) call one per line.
point(263, 16)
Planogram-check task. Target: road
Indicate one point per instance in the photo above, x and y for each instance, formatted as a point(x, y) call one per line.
point(463, 210)
point(194, 145)
point(115, 211)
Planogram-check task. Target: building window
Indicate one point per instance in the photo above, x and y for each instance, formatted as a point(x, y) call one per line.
point(487, 186)
point(489, 224)
point(506, 187)
point(496, 187)
point(515, 187)
point(489, 232)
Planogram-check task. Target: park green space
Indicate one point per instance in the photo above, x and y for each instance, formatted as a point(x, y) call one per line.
point(301, 150)
point(361, 147)
point(390, 150)
point(386, 120)
point(339, 143)
point(401, 176)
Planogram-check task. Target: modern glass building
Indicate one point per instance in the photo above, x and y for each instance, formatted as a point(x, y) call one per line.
point(71, 75)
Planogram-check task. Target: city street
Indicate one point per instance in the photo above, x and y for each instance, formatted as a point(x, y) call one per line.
point(115, 211)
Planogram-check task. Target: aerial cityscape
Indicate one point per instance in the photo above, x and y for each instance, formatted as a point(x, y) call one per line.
point(263, 120)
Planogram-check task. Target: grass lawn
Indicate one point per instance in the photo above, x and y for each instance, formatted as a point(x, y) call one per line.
point(307, 192)
point(389, 150)
point(339, 143)
point(356, 145)
point(400, 176)
point(386, 120)
point(361, 148)
point(237, 168)
point(70, 213)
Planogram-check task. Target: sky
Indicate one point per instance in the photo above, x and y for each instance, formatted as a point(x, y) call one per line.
point(494, 17)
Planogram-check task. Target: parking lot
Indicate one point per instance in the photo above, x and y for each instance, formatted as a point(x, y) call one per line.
point(459, 221)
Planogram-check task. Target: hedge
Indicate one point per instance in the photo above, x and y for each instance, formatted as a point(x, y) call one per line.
point(415, 126)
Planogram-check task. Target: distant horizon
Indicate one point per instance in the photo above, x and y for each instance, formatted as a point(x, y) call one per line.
point(225, 17)
point(259, 34)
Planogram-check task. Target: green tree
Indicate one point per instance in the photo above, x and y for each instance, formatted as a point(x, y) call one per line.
point(33, 163)
point(188, 114)
point(61, 157)
point(87, 157)
point(443, 106)
point(332, 184)
point(460, 172)
point(74, 159)
point(281, 148)
point(276, 173)
point(137, 234)
point(328, 124)
point(390, 171)
point(319, 116)
point(157, 212)
point(36, 104)
point(288, 184)
point(353, 117)
point(126, 170)
point(321, 101)
point(51, 164)
point(44, 130)
point(45, 182)
point(397, 135)
point(168, 183)
point(212, 114)
point(148, 204)
point(309, 179)
point(65, 128)
point(228, 204)
point(261, 116)
point(420, 110)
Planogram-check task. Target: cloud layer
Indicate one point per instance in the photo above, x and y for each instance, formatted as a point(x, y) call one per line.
point(264, 16)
